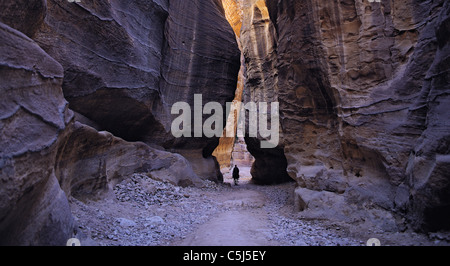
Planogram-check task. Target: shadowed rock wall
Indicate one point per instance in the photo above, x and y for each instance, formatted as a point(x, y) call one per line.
point(119, 65)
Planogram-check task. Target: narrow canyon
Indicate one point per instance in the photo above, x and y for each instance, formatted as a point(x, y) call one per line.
point(87, 148)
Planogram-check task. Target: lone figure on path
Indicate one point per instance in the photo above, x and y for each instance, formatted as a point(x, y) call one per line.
point(236, 175)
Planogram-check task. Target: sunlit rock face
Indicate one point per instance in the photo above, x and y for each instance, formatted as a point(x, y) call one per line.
point(234, 13)
point(363, 91)
point(256, 83)
point(223, 152)
point(240, 155)
point(227, 142)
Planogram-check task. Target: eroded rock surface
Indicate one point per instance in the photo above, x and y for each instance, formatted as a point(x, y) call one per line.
point(33, 114)
point(258, 39)
point(120, 65)
point(201, 56)
point(162, 52)
point(25, 16)
point(362, 87)
point(90, 162)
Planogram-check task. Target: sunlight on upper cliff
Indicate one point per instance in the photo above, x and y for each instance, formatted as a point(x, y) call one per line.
point(234, 13)
point(228, 152)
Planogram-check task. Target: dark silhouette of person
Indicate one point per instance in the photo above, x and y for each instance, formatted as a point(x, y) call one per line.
point(236, 175)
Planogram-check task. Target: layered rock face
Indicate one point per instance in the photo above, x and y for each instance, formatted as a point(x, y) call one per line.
point(363, 89)
point(258, 39)
point(234, 14)
point(201, 56)
point(25, 16)
point(33, 113)
point(159, 55)
point(90, 163)
point(429, 163)
point(229, 147)
point(46, 156)
point(127, 84)
point(111, 54)
point(119, 65)
point(255, 36)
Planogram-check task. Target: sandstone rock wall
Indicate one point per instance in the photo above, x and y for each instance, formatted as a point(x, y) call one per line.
point(111, 54)
point(119, 65)
point(361, 86)
point(200, 56)
point(33, 113)
point(240, 155)
point(24, 15)
point(126, 63)
point(363, 90)
point(259, 42)
point(90, 163)
point(47, 157)
point(427, 171)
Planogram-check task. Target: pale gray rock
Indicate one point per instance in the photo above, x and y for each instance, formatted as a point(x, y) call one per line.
point(126, 222)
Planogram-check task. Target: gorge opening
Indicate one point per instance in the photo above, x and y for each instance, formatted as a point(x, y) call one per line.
point(232, 150)
point(255, 35)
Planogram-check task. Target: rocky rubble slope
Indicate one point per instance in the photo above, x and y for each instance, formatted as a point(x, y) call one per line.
point(145, 212)
point(141, 211)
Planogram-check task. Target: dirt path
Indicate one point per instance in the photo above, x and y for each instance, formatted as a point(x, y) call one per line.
point(141, 211)
point(244, 223)
point(232, 228)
